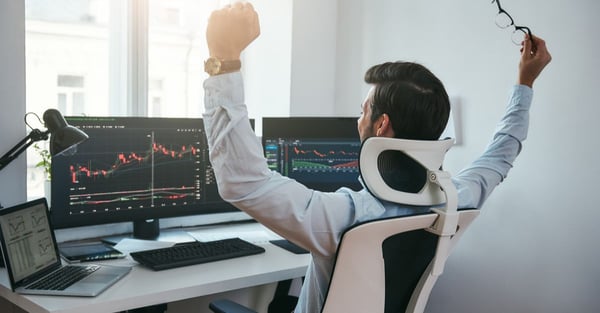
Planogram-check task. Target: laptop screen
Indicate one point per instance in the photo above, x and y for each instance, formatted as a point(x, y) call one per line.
point(27, 239)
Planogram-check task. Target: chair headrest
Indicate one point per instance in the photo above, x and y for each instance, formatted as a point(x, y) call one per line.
point(397, 170)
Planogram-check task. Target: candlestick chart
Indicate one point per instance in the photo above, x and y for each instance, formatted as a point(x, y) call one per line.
point(137, 168)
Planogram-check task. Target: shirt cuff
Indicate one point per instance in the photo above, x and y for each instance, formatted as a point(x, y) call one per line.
point(521, 96)
point(223, 90)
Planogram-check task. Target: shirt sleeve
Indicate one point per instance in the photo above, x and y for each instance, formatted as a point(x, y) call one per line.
point(475, 183)
point(311, 219)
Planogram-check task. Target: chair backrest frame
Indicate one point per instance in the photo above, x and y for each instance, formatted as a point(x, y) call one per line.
point(430, 154)
point(360, 282)
point(356, 283)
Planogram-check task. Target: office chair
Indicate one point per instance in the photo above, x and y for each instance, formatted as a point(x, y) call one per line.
point(391, 264)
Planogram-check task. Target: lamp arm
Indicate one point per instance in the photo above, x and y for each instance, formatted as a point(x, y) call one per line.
point(34, 135)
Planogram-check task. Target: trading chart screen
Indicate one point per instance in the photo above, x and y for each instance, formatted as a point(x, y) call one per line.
point(319, 152)
point(320, 164)
point(134, 168)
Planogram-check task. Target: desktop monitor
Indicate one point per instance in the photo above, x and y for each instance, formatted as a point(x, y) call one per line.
point(319, 152)
point(134, 169)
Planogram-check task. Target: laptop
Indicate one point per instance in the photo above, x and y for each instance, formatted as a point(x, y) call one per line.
point(32, 258)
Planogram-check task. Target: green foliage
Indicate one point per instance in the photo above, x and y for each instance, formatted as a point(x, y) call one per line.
point(45, 162)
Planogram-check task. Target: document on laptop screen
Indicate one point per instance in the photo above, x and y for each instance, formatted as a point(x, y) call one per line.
point(29, 241)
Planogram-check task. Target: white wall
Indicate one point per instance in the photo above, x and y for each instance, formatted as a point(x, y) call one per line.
point(313, 58)
point(270, 53)
point(535, 247)
point(12, 99)
point(350, 89)
point(290, 68)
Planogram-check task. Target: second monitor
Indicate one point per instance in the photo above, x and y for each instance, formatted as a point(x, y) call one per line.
point(319, 152)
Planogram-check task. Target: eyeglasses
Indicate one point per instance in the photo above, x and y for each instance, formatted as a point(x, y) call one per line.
point(504, 20)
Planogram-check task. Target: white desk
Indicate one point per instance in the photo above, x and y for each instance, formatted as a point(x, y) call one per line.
point(144, 287)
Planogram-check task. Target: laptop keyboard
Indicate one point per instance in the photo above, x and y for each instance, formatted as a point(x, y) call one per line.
point(64, 277)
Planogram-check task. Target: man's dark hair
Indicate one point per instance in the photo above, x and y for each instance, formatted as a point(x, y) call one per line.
point(414, 99)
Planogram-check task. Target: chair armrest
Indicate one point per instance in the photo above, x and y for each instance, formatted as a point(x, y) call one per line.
point(228, 306)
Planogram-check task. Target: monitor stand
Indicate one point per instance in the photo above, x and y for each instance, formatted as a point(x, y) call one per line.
point(150, 230)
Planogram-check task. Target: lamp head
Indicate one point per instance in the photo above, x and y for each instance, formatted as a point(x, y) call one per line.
point(62, 135)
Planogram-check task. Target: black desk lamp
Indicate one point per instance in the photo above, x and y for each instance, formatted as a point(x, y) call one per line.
point(62, 137)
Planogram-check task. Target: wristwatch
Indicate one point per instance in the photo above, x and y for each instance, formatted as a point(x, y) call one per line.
point(215, 66)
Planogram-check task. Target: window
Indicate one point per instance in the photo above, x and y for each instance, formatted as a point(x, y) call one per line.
point(137, 57)
point(67, 48)
point(155, 97)
point(71, 94)
point(85, 57)
point(176, 49)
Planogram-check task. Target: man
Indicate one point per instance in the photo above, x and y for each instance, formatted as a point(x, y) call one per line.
point(406, 101)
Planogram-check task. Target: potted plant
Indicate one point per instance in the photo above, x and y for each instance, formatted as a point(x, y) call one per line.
point(45, 165)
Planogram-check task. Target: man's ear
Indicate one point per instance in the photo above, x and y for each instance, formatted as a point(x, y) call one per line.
point(384, 126)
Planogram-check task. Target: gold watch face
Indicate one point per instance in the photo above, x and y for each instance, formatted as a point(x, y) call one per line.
point(212, 66)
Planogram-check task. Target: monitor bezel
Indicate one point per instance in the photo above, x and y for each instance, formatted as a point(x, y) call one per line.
point(63, 220)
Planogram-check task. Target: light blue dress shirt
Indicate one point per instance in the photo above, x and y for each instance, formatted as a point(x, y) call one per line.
point(315, 220)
